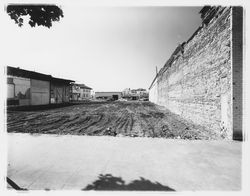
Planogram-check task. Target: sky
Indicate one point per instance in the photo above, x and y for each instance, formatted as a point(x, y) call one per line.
point(106, 48)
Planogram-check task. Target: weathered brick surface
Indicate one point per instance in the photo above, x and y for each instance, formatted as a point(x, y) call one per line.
point(197, 85)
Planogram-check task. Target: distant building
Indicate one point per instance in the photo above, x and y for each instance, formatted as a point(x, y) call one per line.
point(32, 88)
point(108, 95)
point(85, 91)
point(141, 92)
point(75, 92)
point(126, 92)
point(80, 92)
point(134, 94)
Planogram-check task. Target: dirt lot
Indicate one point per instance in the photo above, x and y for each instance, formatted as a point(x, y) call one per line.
point(136, 119)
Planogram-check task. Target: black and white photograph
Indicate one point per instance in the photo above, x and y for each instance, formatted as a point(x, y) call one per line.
point(131, 98)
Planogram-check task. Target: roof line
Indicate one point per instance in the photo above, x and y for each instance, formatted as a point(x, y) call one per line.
point(16, 71)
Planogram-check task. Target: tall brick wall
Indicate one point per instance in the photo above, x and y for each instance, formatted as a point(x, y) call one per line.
point(196, 83)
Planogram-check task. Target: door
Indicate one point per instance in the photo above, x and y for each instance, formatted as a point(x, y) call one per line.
point(40, 92)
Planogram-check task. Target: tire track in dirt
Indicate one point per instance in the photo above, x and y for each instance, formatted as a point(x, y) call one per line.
point(125, 118)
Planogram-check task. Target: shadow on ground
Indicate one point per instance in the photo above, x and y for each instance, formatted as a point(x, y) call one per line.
point(14, 185)
point(111, 183)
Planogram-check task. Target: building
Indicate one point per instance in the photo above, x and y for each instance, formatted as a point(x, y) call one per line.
point(108, 95)
point(142, 93)
point(60, 90)
point(135, 94)
point(85, 91)
point(75, 92)
point(80, 92)
point(126, 92)
point(32, 88)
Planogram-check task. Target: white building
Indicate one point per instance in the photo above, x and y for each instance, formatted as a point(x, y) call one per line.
point(81, 92)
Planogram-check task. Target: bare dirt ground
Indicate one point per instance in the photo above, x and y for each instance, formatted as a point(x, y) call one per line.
point(136, 119)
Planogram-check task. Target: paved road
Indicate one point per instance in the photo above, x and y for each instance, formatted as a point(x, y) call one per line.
point(122, 163)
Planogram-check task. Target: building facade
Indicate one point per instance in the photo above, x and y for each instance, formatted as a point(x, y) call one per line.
point(32, 88)
point(80, 92)
point(135, 94)
point(85, 91)
point(76, 92)
point(60, 90)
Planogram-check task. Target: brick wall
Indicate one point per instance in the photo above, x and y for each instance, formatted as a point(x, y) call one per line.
point(196, 84)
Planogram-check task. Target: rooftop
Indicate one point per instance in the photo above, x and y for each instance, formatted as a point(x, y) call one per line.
point(83, 86)
point(16, 71)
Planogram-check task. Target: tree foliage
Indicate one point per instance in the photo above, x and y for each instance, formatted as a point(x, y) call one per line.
point(39, 14)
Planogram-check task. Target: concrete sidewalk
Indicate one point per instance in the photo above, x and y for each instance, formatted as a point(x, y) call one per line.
point(103, 163)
